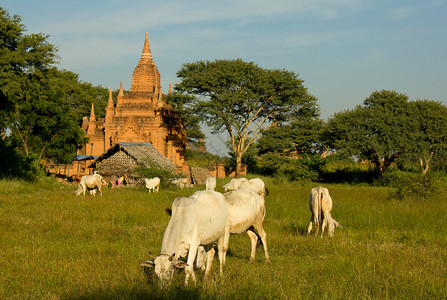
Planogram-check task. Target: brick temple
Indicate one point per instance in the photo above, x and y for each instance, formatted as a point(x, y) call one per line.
point(136, 116)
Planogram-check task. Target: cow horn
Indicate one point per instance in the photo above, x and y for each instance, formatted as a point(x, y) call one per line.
point(151, 255)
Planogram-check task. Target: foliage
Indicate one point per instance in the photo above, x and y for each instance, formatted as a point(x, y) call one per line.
point(339, 170)
point(184, 117)
point(388, 129)
point(241, 98)
point(91, 248)
point(14, 164)
point(307, 167)
point(410, 185)
point(376, 131)
point(199, 158)
point(22, 58)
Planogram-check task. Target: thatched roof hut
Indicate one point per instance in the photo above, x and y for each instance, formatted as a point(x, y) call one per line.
point(122, 158)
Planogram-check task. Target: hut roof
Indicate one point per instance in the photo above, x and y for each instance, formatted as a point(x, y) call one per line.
point(145, 154)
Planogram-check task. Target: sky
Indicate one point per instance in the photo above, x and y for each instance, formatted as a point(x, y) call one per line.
point(343, 50)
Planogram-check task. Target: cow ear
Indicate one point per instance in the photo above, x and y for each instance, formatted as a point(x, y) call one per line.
point(180, 264)
point(151, 256)
point(147, 264)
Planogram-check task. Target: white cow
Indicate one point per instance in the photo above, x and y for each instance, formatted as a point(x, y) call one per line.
point(246, 212)
point(90, 182)
point(210, 183)
point(255, 184)
point(234, 184)
point(152, 184)
point(180, 182)
point(320, 205)
point(198, 220)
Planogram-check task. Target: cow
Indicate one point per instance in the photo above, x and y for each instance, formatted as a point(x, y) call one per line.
point(197, 220)
point(152, 184)
point(180, 182)
point(320, 205)
point(234, 184)
point(246, 212)
point(90, 182)
point(210, 183)
point(255, 184)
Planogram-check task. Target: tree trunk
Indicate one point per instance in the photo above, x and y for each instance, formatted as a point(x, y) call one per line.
point(238, 157)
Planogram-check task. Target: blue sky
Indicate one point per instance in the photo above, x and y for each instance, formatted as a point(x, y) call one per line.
point(342, 49)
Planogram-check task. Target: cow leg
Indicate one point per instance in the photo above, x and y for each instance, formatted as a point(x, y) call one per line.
point(309, 229)
point(254, 241)
point(221, 253)
point(263, 235)
point(209, 260)
point(189, 269)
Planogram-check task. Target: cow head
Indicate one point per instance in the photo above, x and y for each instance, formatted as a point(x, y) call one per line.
point(164, 267)
point(331, 227)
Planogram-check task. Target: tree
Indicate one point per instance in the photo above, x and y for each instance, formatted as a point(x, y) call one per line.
point(241, 98)
point(379, 131)
point(40, 105)
point(183, 117)
point(430, 131)
point(22, 58)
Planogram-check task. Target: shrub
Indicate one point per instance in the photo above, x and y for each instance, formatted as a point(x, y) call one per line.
point(165, 176)
point(409, 185)
point(307, 168)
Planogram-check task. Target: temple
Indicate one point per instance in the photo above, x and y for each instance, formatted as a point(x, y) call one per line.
point(137, 116)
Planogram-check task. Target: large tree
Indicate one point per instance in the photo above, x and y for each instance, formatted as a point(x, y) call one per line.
point(22, 58)
point(376, 131)
point(41, 107)
point(388, 128)
point(242, 98)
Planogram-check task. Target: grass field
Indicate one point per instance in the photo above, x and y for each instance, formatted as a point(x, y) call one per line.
point(54, 245)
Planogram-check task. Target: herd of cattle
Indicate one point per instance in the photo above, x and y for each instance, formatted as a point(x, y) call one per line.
point(207, 217)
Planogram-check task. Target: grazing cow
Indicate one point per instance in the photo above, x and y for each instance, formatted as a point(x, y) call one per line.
point(180, 182)
point(246, 212)
point(320, 205)
point(90, 182)
point(256, 185)
point(234, 184)
point(197, 220)
point(210, 183)
point(152, 184)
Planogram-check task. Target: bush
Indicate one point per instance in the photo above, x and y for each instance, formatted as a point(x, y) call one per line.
point(409, 185)
point(307, 168)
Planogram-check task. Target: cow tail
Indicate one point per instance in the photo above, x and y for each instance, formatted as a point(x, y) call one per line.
point(320, 207)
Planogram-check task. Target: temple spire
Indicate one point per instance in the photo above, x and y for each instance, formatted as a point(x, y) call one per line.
point(169, 92)
point(92, 114)
point(121, 92)
point(110, 102)
point(146, 49)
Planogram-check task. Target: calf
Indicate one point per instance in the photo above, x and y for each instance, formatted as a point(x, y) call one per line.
point(320, 205)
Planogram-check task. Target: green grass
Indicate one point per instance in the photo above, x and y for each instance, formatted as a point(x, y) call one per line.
point(55, 245)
